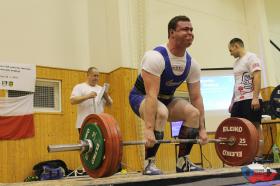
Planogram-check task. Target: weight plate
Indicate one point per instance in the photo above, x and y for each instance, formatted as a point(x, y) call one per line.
point(104, 168)
point(246, 138)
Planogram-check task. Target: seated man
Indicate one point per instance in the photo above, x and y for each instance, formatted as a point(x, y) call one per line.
point(163, 70)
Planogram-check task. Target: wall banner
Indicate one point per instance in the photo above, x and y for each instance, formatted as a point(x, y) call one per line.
point(21, 77)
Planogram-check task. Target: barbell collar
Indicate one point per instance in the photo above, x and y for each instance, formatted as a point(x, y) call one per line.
point(65, 147)
point(85, 145)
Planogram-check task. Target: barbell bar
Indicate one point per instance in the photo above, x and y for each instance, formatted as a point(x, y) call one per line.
point(236, 143)
point(88, 145)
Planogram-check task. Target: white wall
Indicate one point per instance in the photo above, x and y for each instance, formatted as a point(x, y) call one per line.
point(45, 32)
point(104, 33)
point(273, 17)
point(71, 34)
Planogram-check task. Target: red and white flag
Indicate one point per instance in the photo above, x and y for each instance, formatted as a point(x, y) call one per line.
point(16, 117)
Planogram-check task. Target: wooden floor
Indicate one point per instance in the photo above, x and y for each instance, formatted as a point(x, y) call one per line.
point(130, 178)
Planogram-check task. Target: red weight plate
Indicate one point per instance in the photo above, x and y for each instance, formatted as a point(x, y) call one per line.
point(111, 122)
point(117, 142)
point(118, 145)
point(105, 166)
point(246, 141)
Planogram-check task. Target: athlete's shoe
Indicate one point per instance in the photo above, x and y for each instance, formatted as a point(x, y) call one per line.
point(150, 167)
point(185, 165)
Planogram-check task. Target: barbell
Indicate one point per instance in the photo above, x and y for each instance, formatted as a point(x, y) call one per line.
point(236, 142)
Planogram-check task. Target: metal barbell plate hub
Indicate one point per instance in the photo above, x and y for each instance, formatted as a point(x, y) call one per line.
point(92, 156)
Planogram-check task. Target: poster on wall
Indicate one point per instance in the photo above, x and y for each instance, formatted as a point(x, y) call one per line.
point(21, 77)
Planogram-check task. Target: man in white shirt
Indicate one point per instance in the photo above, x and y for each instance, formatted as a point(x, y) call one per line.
point(246, 100)
point(85, 94)
point(163, 70)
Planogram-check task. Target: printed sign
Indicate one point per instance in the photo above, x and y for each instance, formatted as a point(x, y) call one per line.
point(21, 77)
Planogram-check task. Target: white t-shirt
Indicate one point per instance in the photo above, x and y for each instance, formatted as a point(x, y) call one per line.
point(153, 62)
point(89, 106)
point(243, 69)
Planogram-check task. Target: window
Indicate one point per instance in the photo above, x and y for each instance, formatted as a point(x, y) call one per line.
point(47, 95)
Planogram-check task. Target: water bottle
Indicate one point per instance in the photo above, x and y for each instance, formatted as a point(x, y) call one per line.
point(275, 151)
